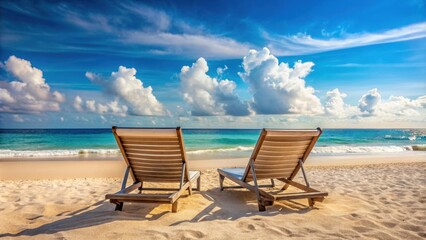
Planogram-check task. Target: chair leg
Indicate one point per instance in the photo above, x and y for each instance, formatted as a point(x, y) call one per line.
point(190, 188)
point(311, 202)
point(272, 183)
point(119, 206)
point(221, 179)
point(175, 206)
point(285, 186)
point(140, 188)
point(262, 207)
point(199, 183)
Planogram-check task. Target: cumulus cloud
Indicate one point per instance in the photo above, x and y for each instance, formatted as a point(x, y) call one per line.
point(402, 106)
point(113, 107)
point(370, 101)
point(278, 88)
point(206, 95)
point(371, 104)
point(335, 104)
point(29, 91)
point(124, 85)
point(78, 103)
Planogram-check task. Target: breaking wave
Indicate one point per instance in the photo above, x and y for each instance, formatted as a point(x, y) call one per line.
point(115, 152)
point(58, 153)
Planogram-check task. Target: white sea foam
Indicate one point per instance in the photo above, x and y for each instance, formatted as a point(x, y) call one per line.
point(360, 149)
point(114, 152)
point(58, 153)
point(321, 150)
point(203, 151)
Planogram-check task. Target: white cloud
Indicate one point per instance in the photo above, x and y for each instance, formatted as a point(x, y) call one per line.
point(91, 105)
point(124, 85)
point(278, 88)
point(370, 101)
point(305, 44)
point(189, 45)
point(220, 70)
point(208, 96)
point(78, 104)
point(402, 107)
point(158, 19)
point(371, 105)
point(335, 104)
point(157, 33)
point(113, 107)
point(29, 92)
point(5, 96)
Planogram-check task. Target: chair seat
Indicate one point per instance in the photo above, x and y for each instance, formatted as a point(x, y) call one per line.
point(235, 172)
point(193, 174)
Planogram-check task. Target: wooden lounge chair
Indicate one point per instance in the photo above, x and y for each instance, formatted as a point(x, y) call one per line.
point(153, 155)
point(278, 154)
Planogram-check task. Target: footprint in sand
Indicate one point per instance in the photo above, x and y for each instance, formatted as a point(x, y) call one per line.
point(157, 234)
point(189, 234)
point(246, 226)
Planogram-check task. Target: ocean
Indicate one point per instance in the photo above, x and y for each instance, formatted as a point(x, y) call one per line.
point(201, 143)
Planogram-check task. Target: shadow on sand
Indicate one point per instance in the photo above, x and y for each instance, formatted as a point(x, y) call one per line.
point(217, 207)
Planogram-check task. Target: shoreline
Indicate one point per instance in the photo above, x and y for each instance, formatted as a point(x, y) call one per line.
point(107, 167)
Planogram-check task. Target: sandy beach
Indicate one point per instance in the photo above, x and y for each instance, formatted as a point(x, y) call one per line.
point(370, 197)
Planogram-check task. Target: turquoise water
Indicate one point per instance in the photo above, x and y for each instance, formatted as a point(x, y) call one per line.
point(201, 142)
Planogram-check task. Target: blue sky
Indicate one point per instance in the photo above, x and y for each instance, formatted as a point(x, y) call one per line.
point(250, 64)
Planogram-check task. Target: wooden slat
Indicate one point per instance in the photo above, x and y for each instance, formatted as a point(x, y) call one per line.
point(292, 133)
point(278, 158)
point(145, 151)
point(282, 153)
point(286, 196)
point(275, 165)
point(140, 197)
point(154, 157)
point(272, 156)
point(265, 171)
point(286, 139)
point(283, 148)
point(283, 143)
point(152, 147)
point(157, 168)
point(268, 176)
point(175, 177)
point(150, 139)
point(150, 143)
point(156, 179)
point(156, 163)
point(158, 173)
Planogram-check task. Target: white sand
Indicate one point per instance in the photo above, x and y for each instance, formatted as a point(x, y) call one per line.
point(380, 201)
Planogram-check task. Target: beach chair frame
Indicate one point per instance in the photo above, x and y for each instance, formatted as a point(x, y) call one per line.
point(186, 180)
point(250, 174)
